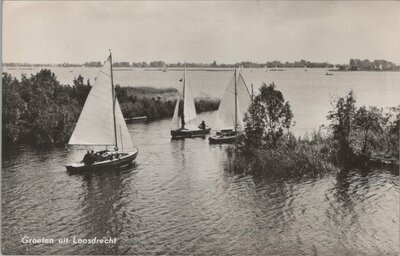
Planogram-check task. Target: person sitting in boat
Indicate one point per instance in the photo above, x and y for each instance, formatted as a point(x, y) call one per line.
point(98, 156)
point(202, 125)
point(183, 121)
point(89, 158)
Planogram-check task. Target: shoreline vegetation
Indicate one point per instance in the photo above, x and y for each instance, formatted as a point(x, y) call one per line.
point(356, 137)
point(38, 110)
point(353, 65)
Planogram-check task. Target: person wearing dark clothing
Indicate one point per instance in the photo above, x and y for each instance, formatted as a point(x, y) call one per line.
point(88, 159)
point(202, 125)
point(183, 121)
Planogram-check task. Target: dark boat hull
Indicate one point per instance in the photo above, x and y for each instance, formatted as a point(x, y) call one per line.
point(114, 163)
point(183, 133)
point(136, 119)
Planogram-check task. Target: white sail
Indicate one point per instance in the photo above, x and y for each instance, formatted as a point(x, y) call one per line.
point(243, 101)
point(175, 118)
point(95, 125)
point(225, 118)
point(189, 110)
point(226, 112)
point(124, 141)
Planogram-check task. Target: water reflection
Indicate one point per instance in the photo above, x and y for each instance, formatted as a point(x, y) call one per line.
point(101, 206)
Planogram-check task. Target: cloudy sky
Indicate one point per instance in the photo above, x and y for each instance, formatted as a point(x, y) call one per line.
point(225, 31)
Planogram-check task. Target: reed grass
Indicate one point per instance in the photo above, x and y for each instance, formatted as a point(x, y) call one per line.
point(293, 157)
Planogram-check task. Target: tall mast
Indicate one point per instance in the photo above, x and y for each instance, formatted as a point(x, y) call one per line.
point(252, 93)
point(235, 103)
point(183, 92)
point(113, 102)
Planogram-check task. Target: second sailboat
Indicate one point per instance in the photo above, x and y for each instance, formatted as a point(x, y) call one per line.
point(183, 125)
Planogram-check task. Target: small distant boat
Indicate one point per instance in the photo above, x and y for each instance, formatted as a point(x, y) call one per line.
point(101, 124)
point(233, 106)
point(182, 123)
point(305, 68)
point(328, 72)
point(136, 119)
point(164, 69)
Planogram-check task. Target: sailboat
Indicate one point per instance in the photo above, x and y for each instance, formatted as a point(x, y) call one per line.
point(305, 68)
point(164, 69)
point(327, 72)
point(234, 104)
point(182, 123)
point(101, 124)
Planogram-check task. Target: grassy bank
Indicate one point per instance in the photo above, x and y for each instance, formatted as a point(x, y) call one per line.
point(39, 110)
point(156, 103)
point(291, 158)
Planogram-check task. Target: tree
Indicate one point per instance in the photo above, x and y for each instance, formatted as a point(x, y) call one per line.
point(352, 64)
point(82, 89)
point(267, 118)
point(391, 133)
point(13, 107)
point(341, 125)
point(368, 121)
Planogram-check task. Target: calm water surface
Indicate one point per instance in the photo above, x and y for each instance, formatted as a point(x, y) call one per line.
point(181, 198)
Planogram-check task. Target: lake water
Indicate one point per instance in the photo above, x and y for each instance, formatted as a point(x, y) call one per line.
point(309, 93)
point(182, 198)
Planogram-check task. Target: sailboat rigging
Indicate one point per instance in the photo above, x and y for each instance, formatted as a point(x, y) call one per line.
point(101, 124)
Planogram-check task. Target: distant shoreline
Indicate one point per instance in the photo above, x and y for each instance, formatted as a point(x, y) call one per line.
point(353, 64)
point(24, 68)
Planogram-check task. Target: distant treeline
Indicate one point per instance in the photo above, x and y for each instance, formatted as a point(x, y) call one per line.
point(39, 110)
point(367, 65)
point(354, 64)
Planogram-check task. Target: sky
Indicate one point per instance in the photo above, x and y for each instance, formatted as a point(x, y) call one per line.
point(200, 31)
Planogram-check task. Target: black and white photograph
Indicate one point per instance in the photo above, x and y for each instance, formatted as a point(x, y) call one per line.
point(200, 128)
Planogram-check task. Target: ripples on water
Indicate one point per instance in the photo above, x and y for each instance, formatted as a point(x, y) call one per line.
point(182, 198)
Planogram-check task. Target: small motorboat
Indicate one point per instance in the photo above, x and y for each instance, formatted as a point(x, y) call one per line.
point(136, 119)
